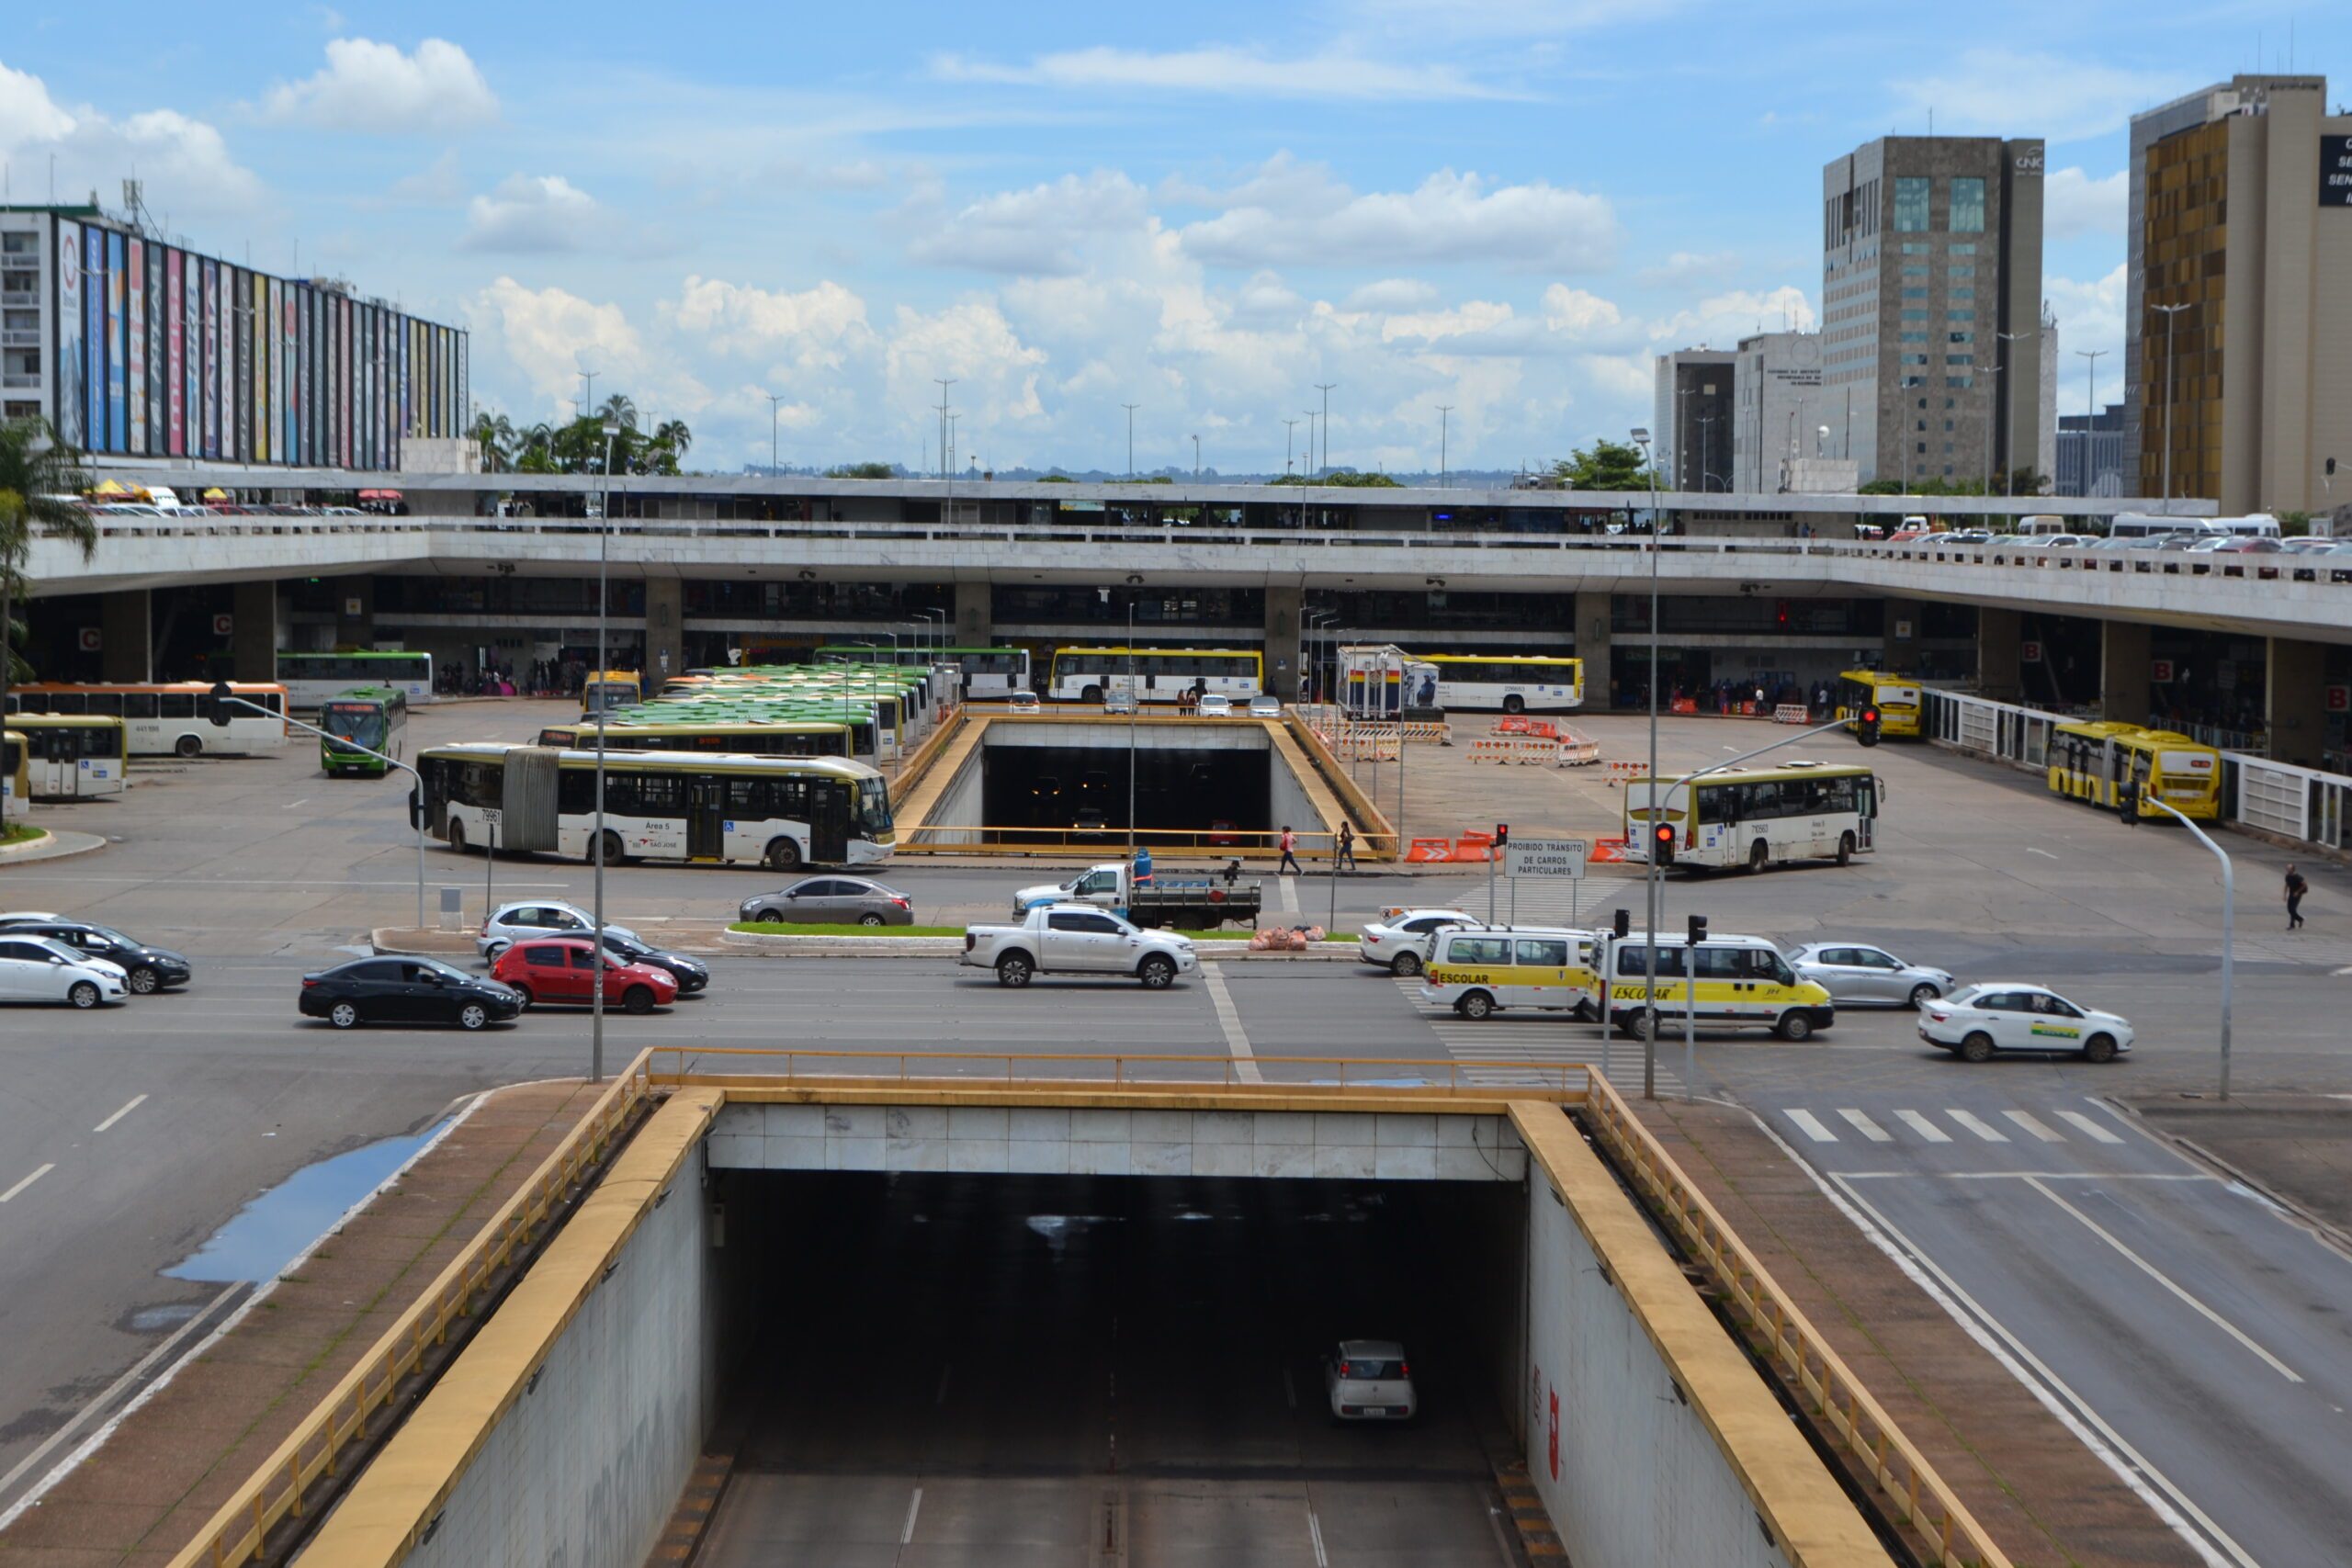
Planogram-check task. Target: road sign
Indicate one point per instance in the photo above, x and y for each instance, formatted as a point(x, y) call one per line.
point(1546, 857)
point(89, 640)
point(224, 625)
point(2160, 671)
point(2339, 699)
point(2030, 652)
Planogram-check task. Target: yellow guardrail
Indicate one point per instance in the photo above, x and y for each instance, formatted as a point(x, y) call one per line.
point(1853, 1419)
point(238, 1530)
point(671, 1065)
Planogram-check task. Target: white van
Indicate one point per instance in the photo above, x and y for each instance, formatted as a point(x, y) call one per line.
point(2146, 526)
point(2253, 525)
point(2040, 524)
point(1743, 982)
point(1481, 971)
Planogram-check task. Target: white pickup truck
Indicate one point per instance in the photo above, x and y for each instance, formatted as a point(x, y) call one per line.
point(1077, 939)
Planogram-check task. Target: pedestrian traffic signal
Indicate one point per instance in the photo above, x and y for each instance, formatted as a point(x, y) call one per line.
point(1698, 930)
point(415, 809)
point(1865, 725)
point(1662, 843)
point(216, 703)
point(1622, 926)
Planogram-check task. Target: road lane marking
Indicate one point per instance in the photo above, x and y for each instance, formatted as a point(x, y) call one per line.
point(28, 1181)
point(292, 804)
point(1315, 1534)
point(136, 1101)
point(2077, 1118)
point(1867, 1128)
point(1228, 1019)
point(2045, 854)
point(1288, 888)
point(2153, 1272)
point(1811, 1126)
point(914, 1506)
point(2042, 1130)
point(1985, 1130)
point(1922, 1126)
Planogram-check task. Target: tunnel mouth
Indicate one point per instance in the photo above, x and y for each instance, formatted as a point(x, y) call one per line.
point(1048, 1356)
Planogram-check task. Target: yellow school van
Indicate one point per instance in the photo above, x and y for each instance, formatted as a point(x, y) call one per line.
point(1483, 972)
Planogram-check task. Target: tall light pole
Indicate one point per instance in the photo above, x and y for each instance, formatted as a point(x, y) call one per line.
point(775, 406)
point(588, 393)
point(1650, 887)
point(2170, 382)
point(1444, 414)
point(604, 700)
point(1131, 439)
point(1997, 369)
point(1196, 458)
point(1134, 703)
point(943, 383)
point(1289, 425)
point(1325, 388)
point(2228, 922)
point(1308, 473)
point(2009, 424)
point(2090, 407)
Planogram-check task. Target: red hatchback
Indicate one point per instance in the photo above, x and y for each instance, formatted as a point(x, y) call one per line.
point(558, 970)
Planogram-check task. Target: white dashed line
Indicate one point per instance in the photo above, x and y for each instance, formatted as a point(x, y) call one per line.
point(1811, 1127)
point(1982, 1129)
point(1229, 1019)
point(2076, 1119)
point(1867, 1128)
point(136, 1101)
point(1314, 1535)
point(28, 1181)
point(914, 1506)
point(2039, 1129)
point(1922, 1126)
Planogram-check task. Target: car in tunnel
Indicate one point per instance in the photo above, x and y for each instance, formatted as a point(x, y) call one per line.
point(1369, 1380)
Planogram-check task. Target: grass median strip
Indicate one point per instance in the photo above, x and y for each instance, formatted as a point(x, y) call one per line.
point(774, 928)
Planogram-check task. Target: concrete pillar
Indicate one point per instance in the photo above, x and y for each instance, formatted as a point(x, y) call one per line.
point(2000, 639)
point(355, 611)
point(252, 638)
point(2123, 672)
point(2295, 700)
point(1899, 642)
point(1283, 641)
point(665, 620)
point(975, 615)
point(125, 636)
point(1590, 635)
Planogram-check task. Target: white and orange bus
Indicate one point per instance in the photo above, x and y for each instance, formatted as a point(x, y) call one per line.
point(166, 718)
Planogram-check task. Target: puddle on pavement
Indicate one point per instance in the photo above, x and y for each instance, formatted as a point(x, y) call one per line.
point(154, 1320)
point(267, 1233)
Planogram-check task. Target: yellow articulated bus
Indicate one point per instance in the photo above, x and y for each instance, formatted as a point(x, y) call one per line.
point(1897, 698)
point(2092, 761)
point(1731, 982)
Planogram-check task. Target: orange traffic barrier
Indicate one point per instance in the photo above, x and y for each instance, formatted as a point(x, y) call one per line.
point(1491, 750)
point(1512, 725)
point(1543, 729)
point(1619, 773)
point(1474, 846)
point(1606, 852)
point(1428, 849)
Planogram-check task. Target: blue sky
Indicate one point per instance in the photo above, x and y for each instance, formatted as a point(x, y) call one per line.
point(1507, 208)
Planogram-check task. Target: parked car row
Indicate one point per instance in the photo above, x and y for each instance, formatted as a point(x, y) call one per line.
point(49, 957)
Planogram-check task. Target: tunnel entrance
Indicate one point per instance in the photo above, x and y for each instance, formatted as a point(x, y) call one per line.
point(933, 1368)
point(1070, 787)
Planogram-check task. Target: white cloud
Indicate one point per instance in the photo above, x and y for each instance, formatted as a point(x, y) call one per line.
point(1996, 92)
point(1392, 294)
point(533, 212)
point(1579, 314)
point(1036, 231)
point(2073, 204)
point(821, 328)
point(1221, 71)
point(1691, 269)
point(2090, 317)
point(1267, 300)
point(1721, 321)
point(548, 334)
point(439, 184)
point(185, 164)
point(371, 86)
point(1449, 217)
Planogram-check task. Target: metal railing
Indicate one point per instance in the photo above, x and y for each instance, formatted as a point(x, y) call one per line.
point(678, 1066)
point(1851, 1418)
point(1110, 841)
point(238, 1530)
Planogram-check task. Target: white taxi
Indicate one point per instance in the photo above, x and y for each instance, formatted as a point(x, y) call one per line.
point(2000, 1015)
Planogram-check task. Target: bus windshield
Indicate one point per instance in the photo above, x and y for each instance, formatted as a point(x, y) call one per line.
point(873, 810)
point(362, 722)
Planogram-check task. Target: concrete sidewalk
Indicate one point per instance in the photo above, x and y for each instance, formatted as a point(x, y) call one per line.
point(176, 1458)
point(2029, 1482)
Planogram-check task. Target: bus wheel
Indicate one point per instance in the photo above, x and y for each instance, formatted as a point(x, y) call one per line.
point(612, 849)
point(1759, 855)
point(2099, 1048)
point(1845, 848)
point(1514, 704)
point(457, 835)
point(783, 854)
point(1091, 694)
point(187, 745)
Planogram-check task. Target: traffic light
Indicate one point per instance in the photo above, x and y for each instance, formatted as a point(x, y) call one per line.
point(1866, 725)
point(1622, 926)
point(216, 703)
point(1502, 834)
point(415, 809)
point(1662, 843)
point(1698, 930)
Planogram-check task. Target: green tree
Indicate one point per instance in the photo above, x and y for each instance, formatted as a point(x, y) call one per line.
point(2294, 524)
point(495, 435)
point(1605, 464)
point(38, 479)
point(861, 472)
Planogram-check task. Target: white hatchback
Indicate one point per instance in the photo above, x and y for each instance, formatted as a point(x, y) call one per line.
point(1369, 1380)
point(1214, 705)
point(511, 923)
point(2000, 1015)
point(41, 969)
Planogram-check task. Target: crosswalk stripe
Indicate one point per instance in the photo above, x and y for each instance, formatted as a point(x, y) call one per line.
point(1983, 1130)
point(2077, 1118)
point(1921, 1125)
point(2037, 1129)
point(1867, 1128)
point(1812, 1126)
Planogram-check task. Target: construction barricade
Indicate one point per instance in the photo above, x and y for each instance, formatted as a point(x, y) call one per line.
point(1620, 772)
point(1474, 846)
point(1428, 850)
point(1491, 750)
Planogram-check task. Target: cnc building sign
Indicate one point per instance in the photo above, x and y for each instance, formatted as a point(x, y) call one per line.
point(2335, 171)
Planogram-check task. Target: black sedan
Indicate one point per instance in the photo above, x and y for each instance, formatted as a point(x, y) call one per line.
point(692, 974)
point(149, 969)
point(406, 990)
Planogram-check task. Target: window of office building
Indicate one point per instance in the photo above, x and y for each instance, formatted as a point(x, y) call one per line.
point(1967, 205)
point(1911, 206)
point(1968, 249)
point(1919, 248)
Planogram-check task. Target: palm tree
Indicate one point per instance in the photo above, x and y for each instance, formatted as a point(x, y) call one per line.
point(619, 410)
point(38, 479)
point(495, 433)
point(673, 433)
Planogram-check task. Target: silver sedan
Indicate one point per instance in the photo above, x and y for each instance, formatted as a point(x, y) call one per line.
point(1856, 976)
point(832, 901)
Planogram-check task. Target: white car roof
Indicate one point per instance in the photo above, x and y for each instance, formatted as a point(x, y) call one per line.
point(1373, 1349)
point(1403, 915)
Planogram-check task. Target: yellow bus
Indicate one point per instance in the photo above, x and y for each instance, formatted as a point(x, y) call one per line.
point(777, 738)
point(73, 756)
point(609, 689)
point(1755, 817)
point(2091, 760)
point(1895, 696)
point(1155, 674)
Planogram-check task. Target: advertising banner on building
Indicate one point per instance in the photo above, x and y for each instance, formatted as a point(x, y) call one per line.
point(135, 312)
point(237, 319)
point(96, 361)
point(117, 370)
point(70, 412)
point(213, 373)
point(157, 398)
point(192, 346)
point(175, 318)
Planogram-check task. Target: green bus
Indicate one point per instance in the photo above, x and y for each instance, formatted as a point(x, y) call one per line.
point(373, 716)
point(989, 672)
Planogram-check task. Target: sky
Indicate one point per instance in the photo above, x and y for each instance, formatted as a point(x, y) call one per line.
point(785, 224)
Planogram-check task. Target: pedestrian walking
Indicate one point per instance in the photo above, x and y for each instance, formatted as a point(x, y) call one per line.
point(1347, 861)
point(1290, 844)
point(2296, 888)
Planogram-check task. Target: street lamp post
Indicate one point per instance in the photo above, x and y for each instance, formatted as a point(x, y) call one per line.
point(2010, 424)
point(2170, 382)
point(1997, 369)
point(1196, 459)
point(776, 408)
point(1445, 416)
point(2228, 917)
point(603, 706)
point(1651, 888)
point(1131, 439)
point(1325, 388)
point(1134, 701)
point(2091, 357)
point(943, 383)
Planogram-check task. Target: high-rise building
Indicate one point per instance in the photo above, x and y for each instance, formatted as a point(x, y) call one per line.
point(2090, 453)
point(1781, 412)
point(1931, 304)
point(2238, 323)
point(1691, 419)
point(133, 345)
